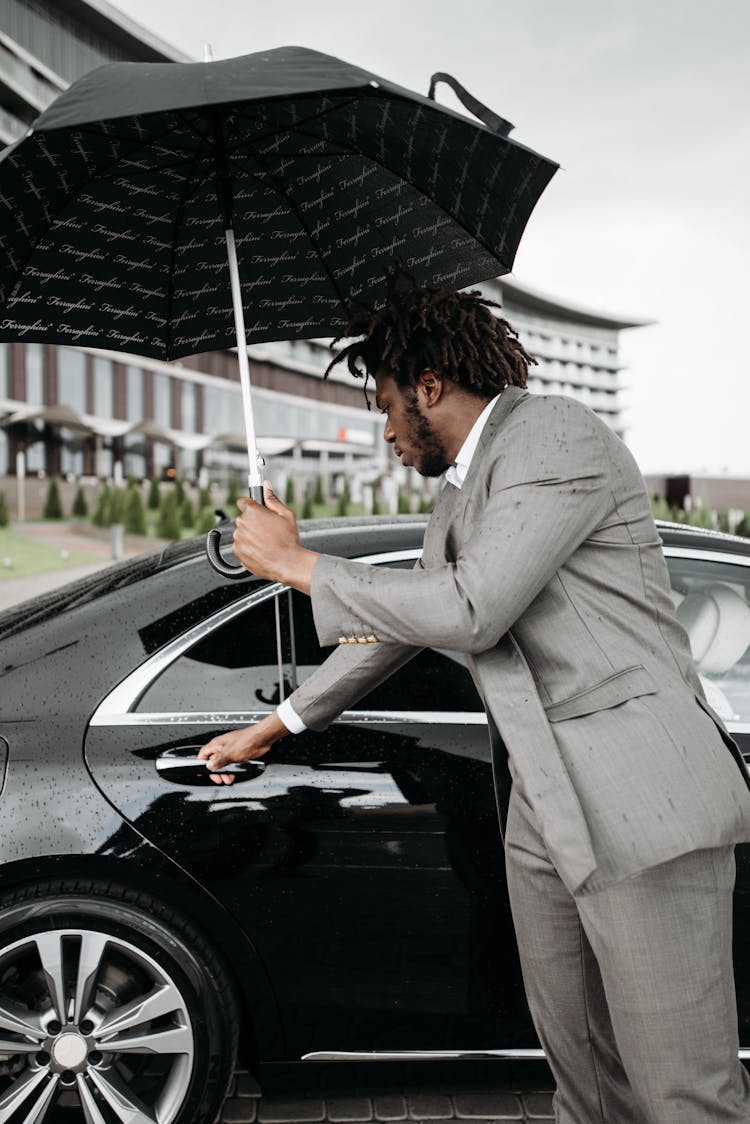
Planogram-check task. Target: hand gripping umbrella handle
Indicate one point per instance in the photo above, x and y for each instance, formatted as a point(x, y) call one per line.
point(213, 544)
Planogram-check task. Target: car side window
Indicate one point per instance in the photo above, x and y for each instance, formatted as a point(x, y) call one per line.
point(433, 680)
point(712, 601)
point(234, 667)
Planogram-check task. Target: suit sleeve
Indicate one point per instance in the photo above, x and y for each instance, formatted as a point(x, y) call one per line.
point(351, 671)
point(547, 488)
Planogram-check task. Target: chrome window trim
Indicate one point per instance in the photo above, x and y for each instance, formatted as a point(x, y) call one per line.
point(529, 1054)
point(707, 555)
point(126, 694)
point(246, 717)
point(116, 709)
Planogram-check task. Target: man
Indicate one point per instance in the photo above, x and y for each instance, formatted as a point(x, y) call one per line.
point(619, 789)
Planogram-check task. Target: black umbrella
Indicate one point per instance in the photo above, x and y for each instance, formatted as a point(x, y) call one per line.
point(144, 192)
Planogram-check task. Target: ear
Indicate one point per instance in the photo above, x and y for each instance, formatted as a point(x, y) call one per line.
point(431, 386)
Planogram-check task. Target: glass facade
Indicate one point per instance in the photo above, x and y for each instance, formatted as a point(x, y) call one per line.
point(4, 393)
point(71, 452)
point(188, 464)
point(34, 374)
point(163, 457)
point(66, 45)
point(39, 88)
point(11, 128)
point(220, 411)
point(4, 371)
point(188, 407)
point(162, 412)
point(135, 456)
point(104, 388)
point(34, 449)
point(301, 420)
point(134, 394)
point(104, 459)
point(71, 379)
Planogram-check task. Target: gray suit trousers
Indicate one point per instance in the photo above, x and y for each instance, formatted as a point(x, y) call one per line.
point(631, 987)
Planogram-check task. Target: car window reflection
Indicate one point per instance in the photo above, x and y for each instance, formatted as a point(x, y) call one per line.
point(712, 600)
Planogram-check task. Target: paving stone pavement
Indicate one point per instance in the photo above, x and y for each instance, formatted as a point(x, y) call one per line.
point(242, 1107)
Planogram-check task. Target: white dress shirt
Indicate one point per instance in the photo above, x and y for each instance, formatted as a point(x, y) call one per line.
point(455, 474)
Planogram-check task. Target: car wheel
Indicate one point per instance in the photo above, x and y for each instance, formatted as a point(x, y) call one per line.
point(112, 1008)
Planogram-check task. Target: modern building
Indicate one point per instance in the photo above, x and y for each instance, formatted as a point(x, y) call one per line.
point(715, 493)
point(80, 412)
point(46, 44)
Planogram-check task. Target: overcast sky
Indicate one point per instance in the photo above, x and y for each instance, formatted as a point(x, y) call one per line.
point(646, 105)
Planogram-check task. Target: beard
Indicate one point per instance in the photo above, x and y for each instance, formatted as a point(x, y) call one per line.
point(433, 459)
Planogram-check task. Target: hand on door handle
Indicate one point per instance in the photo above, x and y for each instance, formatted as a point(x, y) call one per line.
point(181, 765)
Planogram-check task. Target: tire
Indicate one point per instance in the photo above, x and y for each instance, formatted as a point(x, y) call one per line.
point(87, 965)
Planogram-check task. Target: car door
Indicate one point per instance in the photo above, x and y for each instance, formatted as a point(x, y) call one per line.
point(364, 862)
point(711, 591)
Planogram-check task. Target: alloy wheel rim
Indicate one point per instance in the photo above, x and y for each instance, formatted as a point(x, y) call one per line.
point(89, 1018)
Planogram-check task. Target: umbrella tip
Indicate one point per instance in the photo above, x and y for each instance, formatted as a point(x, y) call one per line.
point(208, 52)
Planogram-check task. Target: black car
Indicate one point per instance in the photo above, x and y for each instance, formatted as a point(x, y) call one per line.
point(343, 900)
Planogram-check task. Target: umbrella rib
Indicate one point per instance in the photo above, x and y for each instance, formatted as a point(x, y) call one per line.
point(187, 162)
point(190, 189)
point(69, 199)
point(311, 238)
point(190, 155)
point(47, 230)
point(295, 127)
point(207, 140)
point(478, 238)
point(398, 173)
point(267, 179)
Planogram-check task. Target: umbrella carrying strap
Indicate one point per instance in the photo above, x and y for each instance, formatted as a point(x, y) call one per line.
point(492, 120)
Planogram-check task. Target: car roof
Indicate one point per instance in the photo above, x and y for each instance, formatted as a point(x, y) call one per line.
point(682, 534)
point(348, 537)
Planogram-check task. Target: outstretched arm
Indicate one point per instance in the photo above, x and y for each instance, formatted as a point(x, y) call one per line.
point(547, 489)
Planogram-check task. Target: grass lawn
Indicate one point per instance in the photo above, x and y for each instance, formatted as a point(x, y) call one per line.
point(319, 511)
point(29, 557)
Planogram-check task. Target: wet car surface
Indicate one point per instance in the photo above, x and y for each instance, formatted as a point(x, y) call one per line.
point(343, 900)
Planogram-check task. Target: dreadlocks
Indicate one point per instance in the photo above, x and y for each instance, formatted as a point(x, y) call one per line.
point(454, 334)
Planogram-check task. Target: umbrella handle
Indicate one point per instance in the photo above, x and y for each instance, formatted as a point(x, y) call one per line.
point(492, 120)
point(213, 544)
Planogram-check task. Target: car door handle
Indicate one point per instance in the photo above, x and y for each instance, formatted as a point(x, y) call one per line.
point(181, 765)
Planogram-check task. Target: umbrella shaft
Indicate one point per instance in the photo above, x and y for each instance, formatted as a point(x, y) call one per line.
point(255, 477)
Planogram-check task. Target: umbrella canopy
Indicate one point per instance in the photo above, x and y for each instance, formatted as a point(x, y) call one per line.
point(168, 209)
point(114, 208)
point(55, 415)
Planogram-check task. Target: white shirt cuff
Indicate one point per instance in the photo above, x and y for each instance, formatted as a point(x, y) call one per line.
point(290, 718)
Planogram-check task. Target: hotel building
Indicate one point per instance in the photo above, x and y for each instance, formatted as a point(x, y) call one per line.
point(79, 412)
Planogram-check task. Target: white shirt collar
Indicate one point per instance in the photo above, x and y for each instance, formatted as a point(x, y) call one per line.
point(456, 473)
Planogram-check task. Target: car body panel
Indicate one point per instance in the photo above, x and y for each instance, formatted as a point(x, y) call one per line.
point(354, 879)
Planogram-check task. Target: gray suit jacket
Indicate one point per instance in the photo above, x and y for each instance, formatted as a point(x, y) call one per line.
point(547, 571)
